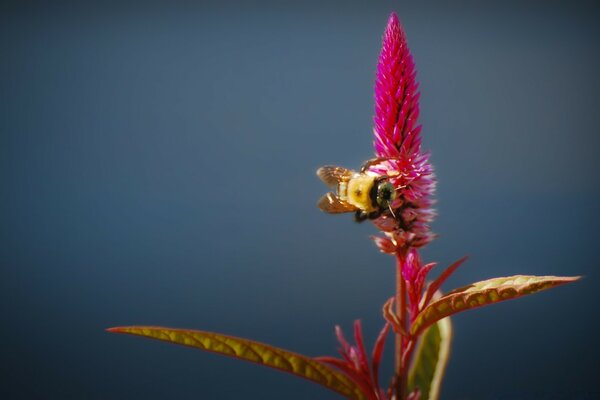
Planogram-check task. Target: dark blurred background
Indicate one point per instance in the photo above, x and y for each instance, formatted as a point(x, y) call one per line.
point(158, 166)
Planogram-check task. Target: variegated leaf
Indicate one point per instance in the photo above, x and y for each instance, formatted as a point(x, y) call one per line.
point(430, 360)
point(483, 293)
point(252, 351)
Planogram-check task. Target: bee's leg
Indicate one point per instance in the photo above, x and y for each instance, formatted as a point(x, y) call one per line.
point(373, 161)
point(360, 216)
point(374, 214)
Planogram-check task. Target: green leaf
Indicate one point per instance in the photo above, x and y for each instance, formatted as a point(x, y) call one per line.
point(430, 360)
point(483, 293)
point(258, 353)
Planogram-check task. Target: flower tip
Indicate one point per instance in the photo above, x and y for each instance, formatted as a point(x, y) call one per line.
point(393, 26)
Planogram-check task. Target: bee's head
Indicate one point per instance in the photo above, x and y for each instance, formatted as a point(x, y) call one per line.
point(385, 194)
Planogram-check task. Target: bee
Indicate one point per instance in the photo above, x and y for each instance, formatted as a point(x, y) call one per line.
point(367, 195)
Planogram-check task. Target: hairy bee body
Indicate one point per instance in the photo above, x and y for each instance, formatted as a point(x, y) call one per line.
point(357, 191)
point(365, 194)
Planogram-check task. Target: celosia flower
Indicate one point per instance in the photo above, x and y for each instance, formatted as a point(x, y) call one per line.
point(406, 228)
point(417, 313)
point(398, 146)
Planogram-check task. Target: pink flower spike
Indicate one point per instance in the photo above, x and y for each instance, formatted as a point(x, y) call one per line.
point(397, 144)
point(396, 94)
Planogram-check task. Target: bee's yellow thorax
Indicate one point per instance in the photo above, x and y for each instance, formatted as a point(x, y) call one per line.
point(358, 191)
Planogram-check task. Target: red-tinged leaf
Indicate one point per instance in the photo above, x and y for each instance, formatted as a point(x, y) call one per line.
point(436, 284)
point(430, 360)
point(345, 350)
point(390, 316)
point(252, 351)
point(360, 346)
point(378, 352)
point(356, 376)
point(483, 293)
point(422, 274)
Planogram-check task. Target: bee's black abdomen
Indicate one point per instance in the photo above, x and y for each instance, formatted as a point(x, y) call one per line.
point(373, 194)
point(361, 215)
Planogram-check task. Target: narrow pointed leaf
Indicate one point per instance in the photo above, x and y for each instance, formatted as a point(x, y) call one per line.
point(436, 284)
point(378, 352)
point(390, 316)
point(483, 293)
point(431, 358)
point(360, 347)
point(252, 351)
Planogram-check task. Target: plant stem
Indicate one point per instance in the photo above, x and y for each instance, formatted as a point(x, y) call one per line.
point(408, 352)
point(400, 366)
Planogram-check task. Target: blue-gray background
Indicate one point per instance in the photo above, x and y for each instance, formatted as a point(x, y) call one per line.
point(157, 167)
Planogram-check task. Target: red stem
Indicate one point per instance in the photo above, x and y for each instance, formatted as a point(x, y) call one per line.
point(401, 342)
point(408, 352)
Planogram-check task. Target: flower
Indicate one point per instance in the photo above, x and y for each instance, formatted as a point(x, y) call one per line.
point(398, 146)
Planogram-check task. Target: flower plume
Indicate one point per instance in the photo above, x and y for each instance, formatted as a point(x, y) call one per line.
point(398, 145)
point(396, 95)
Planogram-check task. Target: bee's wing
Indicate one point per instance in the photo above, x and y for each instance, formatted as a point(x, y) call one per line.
point(332, 175)
point(330, 203)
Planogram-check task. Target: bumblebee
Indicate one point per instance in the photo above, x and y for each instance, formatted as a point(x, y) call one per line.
point(368, 196)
